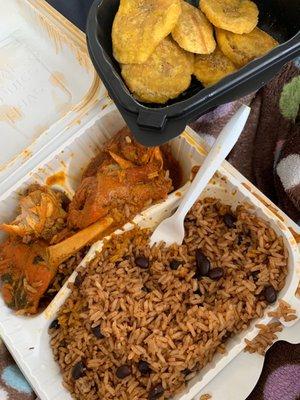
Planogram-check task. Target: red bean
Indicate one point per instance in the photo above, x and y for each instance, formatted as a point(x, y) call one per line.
point(78, 281)
point(142, 262)
point(123, 371)
point(156, 392)
point(175, 264)
point(202, 264)
point(270, 294)
point(78, 370)
point(54, 324)
point(96, 331)
point(229, 220)
point(144, 367)
point(216, 273)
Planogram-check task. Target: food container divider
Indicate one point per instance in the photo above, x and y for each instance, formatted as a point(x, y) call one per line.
point(31, 349)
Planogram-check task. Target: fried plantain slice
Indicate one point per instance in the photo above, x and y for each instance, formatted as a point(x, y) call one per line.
point(241, 49)
point(165, 75)
point(140, 25)
point(210, 68)
point(193, 32)
point(238, 16)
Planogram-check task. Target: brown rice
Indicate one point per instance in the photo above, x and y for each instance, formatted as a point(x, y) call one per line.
point(264, 339)
point(205, 397)
point(166, 317)
point(284, 311)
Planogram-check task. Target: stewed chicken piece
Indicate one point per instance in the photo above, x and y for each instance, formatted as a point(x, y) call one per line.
point(26, 270)
point(122, 180)
point(41, 214)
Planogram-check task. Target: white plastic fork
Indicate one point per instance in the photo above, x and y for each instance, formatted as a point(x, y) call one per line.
point(171, 230)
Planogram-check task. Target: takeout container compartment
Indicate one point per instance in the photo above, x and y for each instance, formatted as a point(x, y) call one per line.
point(70, 160)
point(155, 124)
point(38, 364)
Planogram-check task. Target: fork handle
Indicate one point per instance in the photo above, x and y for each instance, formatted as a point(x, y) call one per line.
point(220, 150)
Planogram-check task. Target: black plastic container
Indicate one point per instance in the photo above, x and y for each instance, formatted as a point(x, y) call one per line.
point(154, 124)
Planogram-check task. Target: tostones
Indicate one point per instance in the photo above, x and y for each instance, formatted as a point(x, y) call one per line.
point(241, 49)
point(140, 25)
point(238, 16)
point(165, 75)
point(210, 68)
point(193, 32)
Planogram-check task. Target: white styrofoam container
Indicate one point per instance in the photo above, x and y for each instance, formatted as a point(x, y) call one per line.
point(38, 364)
point(54, 116)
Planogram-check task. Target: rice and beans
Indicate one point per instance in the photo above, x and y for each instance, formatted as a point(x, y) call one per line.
point(140, 321)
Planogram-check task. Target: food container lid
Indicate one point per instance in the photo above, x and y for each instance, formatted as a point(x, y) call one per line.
point(46, 83)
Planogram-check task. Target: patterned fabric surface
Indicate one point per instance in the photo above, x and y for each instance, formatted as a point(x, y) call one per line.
point(268, 151)
point(13, 386)
point(280, 378)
